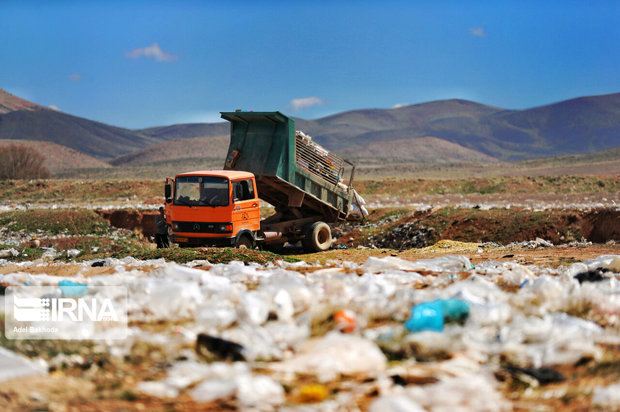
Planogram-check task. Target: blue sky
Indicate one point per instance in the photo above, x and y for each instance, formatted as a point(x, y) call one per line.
point(137, 64)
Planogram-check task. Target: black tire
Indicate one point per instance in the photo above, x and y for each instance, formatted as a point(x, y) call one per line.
point(244, 242)
point(318, 237)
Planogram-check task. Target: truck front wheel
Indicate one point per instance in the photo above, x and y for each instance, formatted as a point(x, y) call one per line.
point(244, 242)
point(318, 237)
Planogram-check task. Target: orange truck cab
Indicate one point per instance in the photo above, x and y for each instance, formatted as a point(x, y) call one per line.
point(213, 208)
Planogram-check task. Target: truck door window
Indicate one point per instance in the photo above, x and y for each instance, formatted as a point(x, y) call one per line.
point(243, 190)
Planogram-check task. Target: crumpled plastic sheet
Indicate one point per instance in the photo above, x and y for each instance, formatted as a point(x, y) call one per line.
point(529, 315)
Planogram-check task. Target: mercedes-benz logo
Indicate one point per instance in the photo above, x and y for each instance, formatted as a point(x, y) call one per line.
point(196, 227)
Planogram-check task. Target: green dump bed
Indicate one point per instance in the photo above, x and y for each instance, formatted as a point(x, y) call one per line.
point(291, 170)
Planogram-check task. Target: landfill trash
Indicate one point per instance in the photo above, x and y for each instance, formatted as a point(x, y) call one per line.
point(73, 253)
point(607, 397)
point(7, 253)
point(158, 389)
point(213, 389)
point(49, 253)
point(259, 390)
point(404, 236)
point(254, 308)
point(345, 320)
point(14, 366)
point(449, 263)
point(334, 354)
point(595, 275)
point(312, 393)
point(72, 289)
point(467, 392)
point(433, 315)
point(543, 375)
point(535, 318)
point(358, 206)
point(531, 244)
point(394, 403)
point(213, 347)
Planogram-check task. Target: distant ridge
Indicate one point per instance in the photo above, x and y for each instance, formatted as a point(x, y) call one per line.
point(452, 130)
point(582, 125)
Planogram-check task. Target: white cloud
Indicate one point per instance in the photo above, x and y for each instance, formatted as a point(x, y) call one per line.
point(75, 77)
point(305, 102)
point(399, 105)
point(153, 51)
point(54, 107)
point(477, 31)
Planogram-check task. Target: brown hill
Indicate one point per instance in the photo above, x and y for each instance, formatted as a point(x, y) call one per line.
point(10, 103)
point(208, 148)
point(23, 120)
point(421, 149)
point(60, 158)
point(185, 130)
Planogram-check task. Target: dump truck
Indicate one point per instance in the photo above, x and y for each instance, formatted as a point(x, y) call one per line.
point(267, 159)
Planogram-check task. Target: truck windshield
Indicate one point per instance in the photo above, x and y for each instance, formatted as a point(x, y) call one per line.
point(201, 191)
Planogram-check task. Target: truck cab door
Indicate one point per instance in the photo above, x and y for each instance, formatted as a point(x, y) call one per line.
point(246, 209)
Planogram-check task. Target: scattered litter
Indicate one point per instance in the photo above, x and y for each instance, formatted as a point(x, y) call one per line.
point(335, 354)
point(607, 397)
point(312, 393)
point(8, 253)
point(345, 320)
point(14, 366)
point(210, 347)
point(544, 376)
point(73, 253)
point(595, 275)
point(394, 403)
point(158, 389)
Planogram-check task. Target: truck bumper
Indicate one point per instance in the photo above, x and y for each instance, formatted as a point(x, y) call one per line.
point(186, 241)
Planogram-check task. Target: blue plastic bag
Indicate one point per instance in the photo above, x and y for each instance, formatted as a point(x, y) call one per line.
point(70, 288)
point(433, 315)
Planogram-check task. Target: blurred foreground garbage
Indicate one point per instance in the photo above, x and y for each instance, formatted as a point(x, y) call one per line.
point(337, 336)
point(14, 366)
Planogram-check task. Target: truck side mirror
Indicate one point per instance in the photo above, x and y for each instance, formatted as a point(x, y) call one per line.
point(168, 192)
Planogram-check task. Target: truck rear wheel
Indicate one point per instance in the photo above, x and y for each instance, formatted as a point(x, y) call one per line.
point(318, 237)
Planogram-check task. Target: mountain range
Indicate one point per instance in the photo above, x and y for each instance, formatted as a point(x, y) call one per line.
point(445, 131)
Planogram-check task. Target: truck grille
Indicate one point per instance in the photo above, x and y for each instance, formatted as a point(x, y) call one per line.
point(201, 227)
